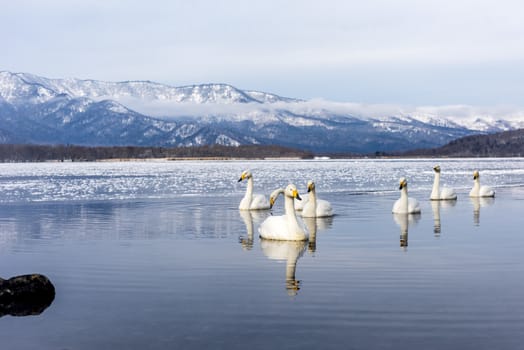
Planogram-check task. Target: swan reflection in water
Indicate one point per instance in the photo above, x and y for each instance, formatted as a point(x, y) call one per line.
point(290, 252)
point(313, 225)
point(435, 206)
point(403, 221)
point(251, 219)
point(479, 202)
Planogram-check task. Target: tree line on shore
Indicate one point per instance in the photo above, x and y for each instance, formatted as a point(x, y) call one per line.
point(503, 144)
point(40, 153)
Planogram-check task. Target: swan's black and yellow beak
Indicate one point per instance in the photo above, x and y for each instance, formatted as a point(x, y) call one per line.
point(296, 195)
point(402, 184)
point(271, 202)
point(240, 179)
point(309, 188)
point(475, 175)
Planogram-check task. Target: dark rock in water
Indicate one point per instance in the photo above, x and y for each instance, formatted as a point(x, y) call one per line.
point(25, 295)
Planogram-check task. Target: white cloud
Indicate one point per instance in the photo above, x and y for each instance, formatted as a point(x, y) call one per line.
point(322, 108)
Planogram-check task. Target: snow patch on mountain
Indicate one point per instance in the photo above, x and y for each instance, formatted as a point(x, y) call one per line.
point(118, 108)
point(226, 141)
point(14, 89)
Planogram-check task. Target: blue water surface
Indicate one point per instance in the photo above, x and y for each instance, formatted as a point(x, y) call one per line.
point(156, 255)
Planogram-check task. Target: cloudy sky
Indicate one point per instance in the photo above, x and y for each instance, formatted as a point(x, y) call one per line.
point(408, 52)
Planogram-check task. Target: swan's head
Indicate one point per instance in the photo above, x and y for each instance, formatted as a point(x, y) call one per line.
point(291, 191)
point(403, 183)
point(476, 175)
point(246, 174)
point(310, 185)
point(273, 196)
point(437, 168)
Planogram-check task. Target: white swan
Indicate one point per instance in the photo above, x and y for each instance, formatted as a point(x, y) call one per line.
point(440, 195)
point(284, 227)
point(480, 191)
point(316, 208)
point(405, 204)
point(251, 201)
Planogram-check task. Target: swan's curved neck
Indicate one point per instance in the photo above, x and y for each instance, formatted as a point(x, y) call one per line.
point(435, 193)
point(249, 188)
point(291, 217)
point(476, 185)
point(312, 197)
point(289, 207)
point(404, 198)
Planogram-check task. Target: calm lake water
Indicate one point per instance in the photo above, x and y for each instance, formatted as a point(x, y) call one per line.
point(156, 255)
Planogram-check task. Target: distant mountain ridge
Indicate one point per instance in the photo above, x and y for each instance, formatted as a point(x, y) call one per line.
point(40, 110)
point(501, 144)
point(94, 89)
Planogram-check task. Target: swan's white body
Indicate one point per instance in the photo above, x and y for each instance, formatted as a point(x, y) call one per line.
point(405, 204)
point(480, 191)
point(284, 227)
point(252, 201)
point(440, 195)
point(316, 208)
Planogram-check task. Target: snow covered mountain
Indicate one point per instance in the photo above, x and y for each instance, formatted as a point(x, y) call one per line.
point(40, 110)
